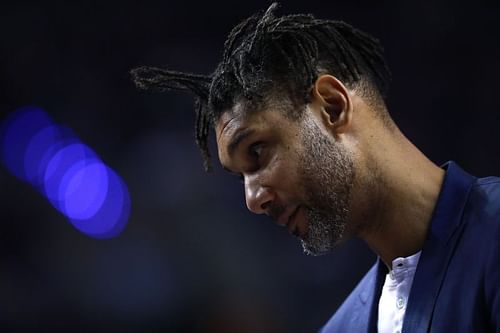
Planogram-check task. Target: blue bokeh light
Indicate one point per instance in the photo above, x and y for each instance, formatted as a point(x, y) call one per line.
point(67, 172)
point(64, 163)
point(113, 214)
point(17, 133)
point(39, 152)
point(84, 189)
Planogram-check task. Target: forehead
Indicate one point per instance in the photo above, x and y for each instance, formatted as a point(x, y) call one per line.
point(230, 120)
point(239, 119)
point(246, 114)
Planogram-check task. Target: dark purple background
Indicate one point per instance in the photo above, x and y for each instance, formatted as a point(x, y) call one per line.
point(192, 258)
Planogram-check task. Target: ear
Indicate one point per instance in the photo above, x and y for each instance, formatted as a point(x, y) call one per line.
point(333, 102)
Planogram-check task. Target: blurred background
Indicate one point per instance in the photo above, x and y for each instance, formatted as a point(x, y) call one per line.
point(192, 258)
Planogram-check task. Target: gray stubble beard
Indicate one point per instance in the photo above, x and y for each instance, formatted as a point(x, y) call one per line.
point(327, 171)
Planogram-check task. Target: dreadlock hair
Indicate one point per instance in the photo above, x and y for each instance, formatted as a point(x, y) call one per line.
point(280, 56)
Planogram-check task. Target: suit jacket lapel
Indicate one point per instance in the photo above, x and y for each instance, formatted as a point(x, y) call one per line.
point(363, 315)
point(373, 298)
point(438, 249)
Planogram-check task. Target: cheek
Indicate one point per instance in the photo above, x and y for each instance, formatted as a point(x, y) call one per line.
point(282, 175)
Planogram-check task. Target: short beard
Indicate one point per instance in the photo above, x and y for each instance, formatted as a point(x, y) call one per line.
point(327, 171)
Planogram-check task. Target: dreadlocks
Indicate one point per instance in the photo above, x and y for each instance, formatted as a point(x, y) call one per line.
point(282, 55)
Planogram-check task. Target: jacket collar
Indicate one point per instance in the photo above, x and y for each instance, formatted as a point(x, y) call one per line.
point(436, 253)
point(444, 232)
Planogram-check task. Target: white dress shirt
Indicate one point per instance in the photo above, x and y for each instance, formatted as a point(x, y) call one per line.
point(395, 292)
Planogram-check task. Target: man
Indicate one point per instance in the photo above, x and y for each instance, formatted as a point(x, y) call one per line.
point(297, 105)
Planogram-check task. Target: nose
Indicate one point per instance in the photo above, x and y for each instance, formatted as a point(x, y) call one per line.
point(258, 197)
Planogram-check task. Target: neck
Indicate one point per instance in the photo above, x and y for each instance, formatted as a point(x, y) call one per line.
point(406, 186)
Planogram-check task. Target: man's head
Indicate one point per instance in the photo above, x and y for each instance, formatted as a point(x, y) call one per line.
point(292, 170)
point(279, 58)
point(281, 103)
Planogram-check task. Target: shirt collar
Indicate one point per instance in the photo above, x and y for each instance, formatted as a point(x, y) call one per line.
point(400, 266)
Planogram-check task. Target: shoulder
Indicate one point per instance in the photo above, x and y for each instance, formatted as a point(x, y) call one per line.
point(481, 220)
point(354, 313)
point(484, 202)
point(487, 190)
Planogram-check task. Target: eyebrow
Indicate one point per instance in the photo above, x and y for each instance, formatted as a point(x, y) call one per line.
point(237, 139)
point(236, 174)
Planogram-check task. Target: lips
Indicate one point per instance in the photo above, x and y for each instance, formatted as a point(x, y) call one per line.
point(286, 219)
point(292, 223)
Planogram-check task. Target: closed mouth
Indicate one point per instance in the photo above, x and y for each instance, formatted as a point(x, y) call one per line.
point(286, 218)
point(292, 223)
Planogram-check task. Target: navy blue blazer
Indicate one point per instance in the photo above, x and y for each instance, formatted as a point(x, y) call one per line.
point(456, 287)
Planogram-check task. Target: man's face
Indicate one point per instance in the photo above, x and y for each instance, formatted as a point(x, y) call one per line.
point(293, 171)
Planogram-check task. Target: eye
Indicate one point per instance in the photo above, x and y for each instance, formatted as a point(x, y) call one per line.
point(255, 150)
